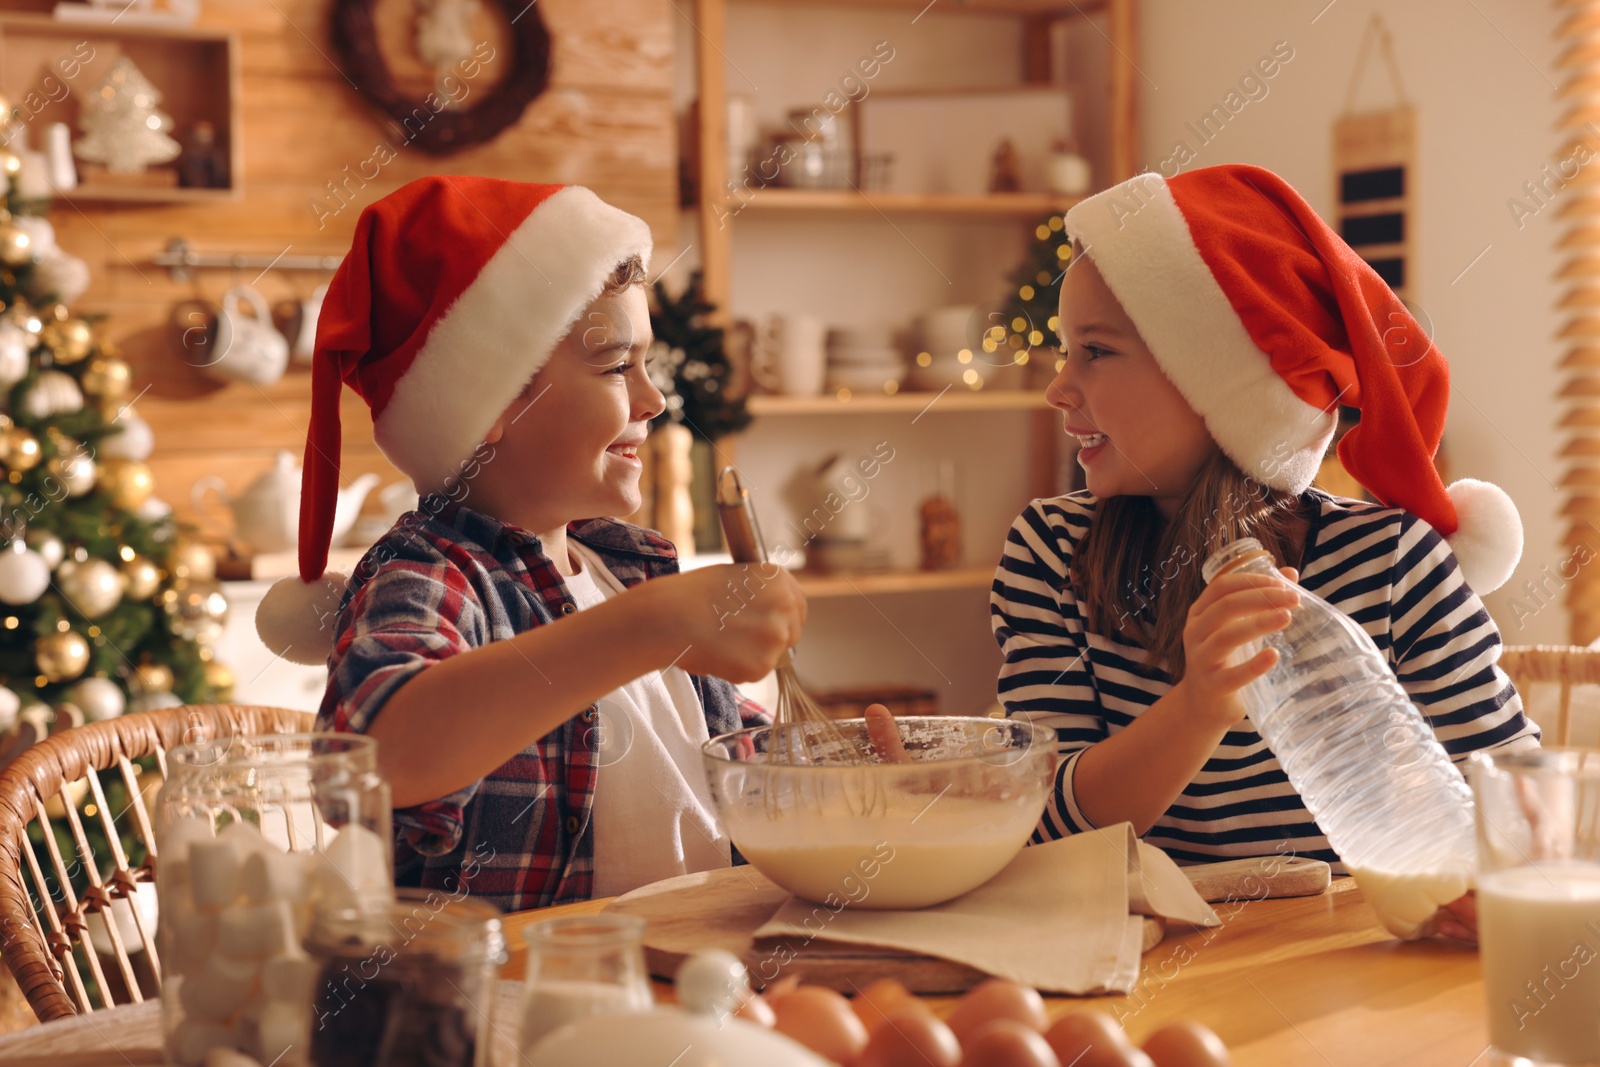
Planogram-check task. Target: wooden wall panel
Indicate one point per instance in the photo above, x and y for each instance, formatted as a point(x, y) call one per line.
point(606, 122)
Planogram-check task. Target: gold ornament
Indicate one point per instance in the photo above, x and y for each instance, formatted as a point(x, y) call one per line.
point(19, 449)
point(198, 610)
point(192, 561)
point(144, 578)
point(16, 247)
point(220, 679)
point(153, 678)
point(10, 160)
point(107, 377)
point(74, 467)
point(130, 483)
point(93, 587)
point(70, 339)
point(61, 656)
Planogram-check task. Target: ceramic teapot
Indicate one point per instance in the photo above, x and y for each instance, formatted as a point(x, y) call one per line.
point(266, 516)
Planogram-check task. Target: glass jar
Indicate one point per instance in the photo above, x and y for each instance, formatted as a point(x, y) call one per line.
point(253, 835)
point(408, 985)
point(579, 967)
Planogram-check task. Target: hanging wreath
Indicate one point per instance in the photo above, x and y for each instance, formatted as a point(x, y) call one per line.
point(427, 123)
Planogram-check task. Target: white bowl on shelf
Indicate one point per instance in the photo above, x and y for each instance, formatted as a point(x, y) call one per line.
point(864, 378)
point(949, 370)
point(854, 355)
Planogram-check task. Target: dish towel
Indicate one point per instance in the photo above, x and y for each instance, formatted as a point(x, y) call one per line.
point(1063, 917)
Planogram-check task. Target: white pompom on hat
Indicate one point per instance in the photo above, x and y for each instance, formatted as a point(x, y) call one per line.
point(1267, 321)
point(455, 292)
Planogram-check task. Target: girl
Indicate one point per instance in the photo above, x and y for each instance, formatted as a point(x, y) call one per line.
point(1212, 325)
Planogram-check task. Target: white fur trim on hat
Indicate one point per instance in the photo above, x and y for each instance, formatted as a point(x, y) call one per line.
point(295, 619)
point(1488, 540)
point(495, 337)
point(1141, 244)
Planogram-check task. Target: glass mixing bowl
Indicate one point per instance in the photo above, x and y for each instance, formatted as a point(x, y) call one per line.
point(923, 828)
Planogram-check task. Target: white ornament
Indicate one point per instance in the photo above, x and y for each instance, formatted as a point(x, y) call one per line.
point(94, 587)
point(14, 347)
point(75, 467)
point(154, 702)
point(100, 698)
point(58, 276)
point(24, 575)
point(135, 441)
point(49, 546)
point(55, 393)
point(10, 705)
point(154, 509)
point(41, 235)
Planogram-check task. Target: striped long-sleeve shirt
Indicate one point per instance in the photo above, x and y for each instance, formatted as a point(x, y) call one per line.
point(1388, 570)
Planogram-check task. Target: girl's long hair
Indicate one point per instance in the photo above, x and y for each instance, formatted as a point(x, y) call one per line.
point(1135, 575)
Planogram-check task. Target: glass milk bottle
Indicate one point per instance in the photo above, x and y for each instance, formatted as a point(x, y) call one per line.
point(253, 835)
point(582, 966)
point(1361, 756)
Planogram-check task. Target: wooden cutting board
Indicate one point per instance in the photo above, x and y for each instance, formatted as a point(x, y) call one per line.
point(724, 908)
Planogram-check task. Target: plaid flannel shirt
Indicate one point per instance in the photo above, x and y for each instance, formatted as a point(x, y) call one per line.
point(446, 580)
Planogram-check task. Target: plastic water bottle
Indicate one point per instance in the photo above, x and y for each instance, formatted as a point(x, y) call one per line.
point(1361, 756)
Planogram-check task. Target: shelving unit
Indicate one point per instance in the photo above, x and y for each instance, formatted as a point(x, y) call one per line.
point(195, 69)
point(724, 208)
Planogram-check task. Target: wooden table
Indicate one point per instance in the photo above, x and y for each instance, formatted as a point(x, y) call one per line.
point(1313, 980)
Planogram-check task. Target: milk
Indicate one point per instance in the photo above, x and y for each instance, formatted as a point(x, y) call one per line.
point(549, 1005)
point(1405, 902)
point(1539, 932)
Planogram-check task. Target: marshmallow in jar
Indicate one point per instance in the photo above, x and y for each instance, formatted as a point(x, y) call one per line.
point(254, 837)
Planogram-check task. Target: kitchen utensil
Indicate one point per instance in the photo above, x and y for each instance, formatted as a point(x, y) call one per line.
point(803, 732)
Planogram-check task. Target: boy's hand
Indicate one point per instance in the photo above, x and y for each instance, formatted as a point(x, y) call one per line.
point(732, 620)
point(1232, 611)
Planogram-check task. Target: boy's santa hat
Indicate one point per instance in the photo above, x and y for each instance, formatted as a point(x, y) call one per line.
point(454, 294)
point(1266, 322)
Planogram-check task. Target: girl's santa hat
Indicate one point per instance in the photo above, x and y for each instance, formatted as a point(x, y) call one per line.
point(454, 294)
point(1266, 322)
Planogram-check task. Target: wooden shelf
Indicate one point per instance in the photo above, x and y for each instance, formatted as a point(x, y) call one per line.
point(46, 65)
point(879, 404)
point(817, 586)
point(992, 205)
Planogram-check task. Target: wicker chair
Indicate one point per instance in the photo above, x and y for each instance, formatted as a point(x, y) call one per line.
point(1563, 665)
point(42, 961)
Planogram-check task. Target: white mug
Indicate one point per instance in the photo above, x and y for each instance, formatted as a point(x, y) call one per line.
point(795, 351)
point(249, 348)
point(310, 310)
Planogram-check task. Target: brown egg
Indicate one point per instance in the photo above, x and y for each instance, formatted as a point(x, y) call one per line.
point(883, 998)
point(1187, 1044)
point(911, 1038)
point(1007, 1043)
point(756, 1009)
point(998, 998)
point(1089, 1039)
point(821, 1020)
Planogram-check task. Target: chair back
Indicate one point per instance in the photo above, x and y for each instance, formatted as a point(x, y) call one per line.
point(1565, 666)
point(111, 919)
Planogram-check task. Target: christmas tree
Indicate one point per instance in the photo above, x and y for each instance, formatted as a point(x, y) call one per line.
point(104, 605)
point(693, 370)
point(122, 128)
point(1029, 310)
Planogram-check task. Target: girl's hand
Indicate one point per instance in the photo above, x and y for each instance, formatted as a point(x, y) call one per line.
point(885, 735)
point(1233, 611)
point(1458, 919)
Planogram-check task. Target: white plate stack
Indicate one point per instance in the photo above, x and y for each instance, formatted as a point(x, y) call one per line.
point(864, 360)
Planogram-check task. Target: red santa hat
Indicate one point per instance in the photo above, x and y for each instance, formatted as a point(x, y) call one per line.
point(454, 294)
point(1266, 322)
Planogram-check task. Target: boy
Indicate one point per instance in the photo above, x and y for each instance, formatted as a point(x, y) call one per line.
point(499, 331)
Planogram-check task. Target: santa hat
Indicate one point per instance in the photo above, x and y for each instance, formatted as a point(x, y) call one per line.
point(1266, 322)
point(454, 294)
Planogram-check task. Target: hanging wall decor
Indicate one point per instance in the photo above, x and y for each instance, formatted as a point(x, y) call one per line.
point(479, 89)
